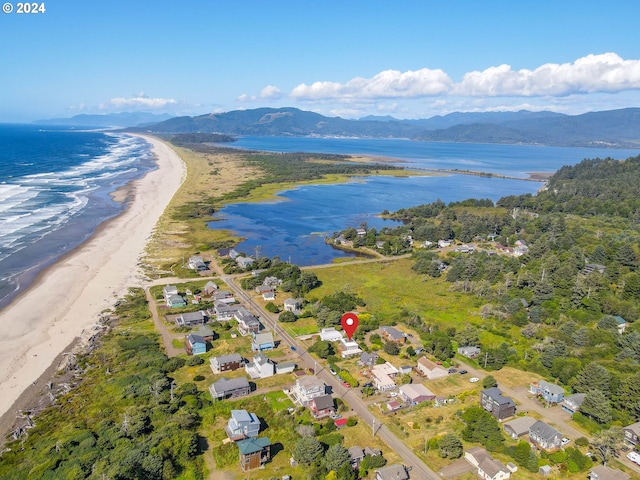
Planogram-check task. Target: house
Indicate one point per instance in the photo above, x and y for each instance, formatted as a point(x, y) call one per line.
point(223, 311)
point(322, 406)
point(292, 305)
point(269, 296)
point(357, 455)
point(469, 351)
point(405, 369)
point(172, 298)
point(368, 359)
point(224, 296)
point(191, 319)
point(603, 472)
point(229, 388)
point(361, 232)
point(241, 425)
point(392, 472)
point(545, 470)
point(233, 254)
point(430, 369)
point(488, 467)
point(247, 323)
point(260, 289)
point(206, 333)
point(262, 341)
point(306, 389)
point(393, 405)
point(209, 288)
point(260, 367)
point(518, 427)
point(621, 324)
point(348, 348)
point(415, 393)
point(544, 436)
point(244, 262)
point(225, 363)
point(330, 334)
point(254, 452)
point(285, 367)
point(444, 243)
point(495, 403)
point(195, 344)
point(572, 403)
point(197, 263)
point(382, 376)
point(551, 392)
point(632, 434)
point(593, 267)
point(393, 334)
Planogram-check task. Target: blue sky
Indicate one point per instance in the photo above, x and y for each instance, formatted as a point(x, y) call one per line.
point(408, 59)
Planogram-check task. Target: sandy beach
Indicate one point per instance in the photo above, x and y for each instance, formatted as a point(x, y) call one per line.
point(69, 296)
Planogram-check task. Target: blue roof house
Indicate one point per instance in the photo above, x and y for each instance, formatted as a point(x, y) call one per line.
point(242, 424)
point(195, 344)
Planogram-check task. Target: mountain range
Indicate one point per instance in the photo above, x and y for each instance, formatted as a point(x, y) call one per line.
point(612, 128)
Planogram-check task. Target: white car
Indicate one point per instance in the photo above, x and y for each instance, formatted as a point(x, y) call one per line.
point(332, 371)
point(474, 379)
point(634, 457)
point(565, 441)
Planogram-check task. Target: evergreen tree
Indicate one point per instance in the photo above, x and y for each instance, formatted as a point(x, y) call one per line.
point(335, 457)
point(307, 450)
point(597, 406)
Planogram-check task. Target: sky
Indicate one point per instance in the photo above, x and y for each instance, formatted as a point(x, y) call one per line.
point(348, 58)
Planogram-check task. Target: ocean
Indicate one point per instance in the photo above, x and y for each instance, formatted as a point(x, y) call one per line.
point(55, 187)
point(295, 227)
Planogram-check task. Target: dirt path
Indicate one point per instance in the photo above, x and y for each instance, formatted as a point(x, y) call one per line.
point(167, 336)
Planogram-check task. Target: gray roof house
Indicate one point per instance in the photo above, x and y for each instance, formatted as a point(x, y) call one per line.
point(222, 363)
point(572, 403)
point(262, 341)
point(469, 351)
point(190, 319)
point(519, 426)
point(393, 334)
point(545, 436)
point(242, 424)
point(292, 305)
point(488, 467)
point(632, 433)
point(247, 323)
point(392, 472)
point(244, 262)
point(260, 367)
point(603, 472)
point(549, 391)
point(495, 403)
point(369, 359)
point(230, 388)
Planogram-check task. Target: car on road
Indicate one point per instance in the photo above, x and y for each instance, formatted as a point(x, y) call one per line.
point(293, 349)
point(462, 372)
point(474, 379)
point(565, 441)
point(634, 457)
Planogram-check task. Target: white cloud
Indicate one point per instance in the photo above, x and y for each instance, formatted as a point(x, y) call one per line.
point(270, 93)
point(386, 84)
point(607, 72)
point(141, 100)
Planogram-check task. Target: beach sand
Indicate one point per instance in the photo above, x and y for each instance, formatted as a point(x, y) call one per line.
point(69, 296)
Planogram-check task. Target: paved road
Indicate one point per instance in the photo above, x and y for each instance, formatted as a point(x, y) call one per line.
point(419, 470)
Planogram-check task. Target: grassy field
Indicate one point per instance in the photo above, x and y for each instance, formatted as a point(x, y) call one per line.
point(392, 290)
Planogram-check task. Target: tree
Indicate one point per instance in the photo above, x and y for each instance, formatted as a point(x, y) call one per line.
point(489, 381)
point(597, 406)
point(482, 427)
point(450, 446)
point(524, 456)
point(307, 450)
point(307, 281)
point(391, 348)
point(272, 307)
point(322, 348)
point(607, 443)
point(287, 317)
point(592, 377)
point(335, 457)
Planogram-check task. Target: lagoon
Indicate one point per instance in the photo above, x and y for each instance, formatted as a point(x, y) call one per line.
point(295, 226)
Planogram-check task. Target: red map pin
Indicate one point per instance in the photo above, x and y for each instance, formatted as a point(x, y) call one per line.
point(349, 322)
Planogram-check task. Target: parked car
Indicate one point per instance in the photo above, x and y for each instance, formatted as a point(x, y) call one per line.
point(476, 379)
point(368, 384)
point(565, 441)
point(345, 384)
point(332, 371)
point(452, 370)
point(336, 416)
point(462, 372)
point(634, 457)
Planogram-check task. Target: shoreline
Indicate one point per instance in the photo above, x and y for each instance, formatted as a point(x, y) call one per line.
point(68, 297)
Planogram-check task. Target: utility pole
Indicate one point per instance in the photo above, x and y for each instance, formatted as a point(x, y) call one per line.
point(373, 428)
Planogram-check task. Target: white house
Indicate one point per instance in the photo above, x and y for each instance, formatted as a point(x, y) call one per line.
point(330, 334)
point(260, 367)
point(306, 389)
point(430, 369)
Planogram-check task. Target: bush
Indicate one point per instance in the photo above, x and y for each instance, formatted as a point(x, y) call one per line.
point(194, 360)
point(287, 317)
point(198, 378)
point(352, 422)
point(272, 307)
point(582, 442)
